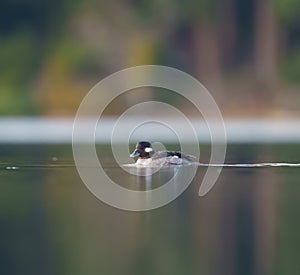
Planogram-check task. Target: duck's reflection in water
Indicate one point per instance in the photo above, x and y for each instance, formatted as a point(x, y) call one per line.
point(148, 178)
point(167, 182)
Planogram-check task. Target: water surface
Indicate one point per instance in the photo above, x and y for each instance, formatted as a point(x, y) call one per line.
point(51, 224)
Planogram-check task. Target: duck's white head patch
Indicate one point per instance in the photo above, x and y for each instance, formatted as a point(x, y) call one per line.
point(148, 149)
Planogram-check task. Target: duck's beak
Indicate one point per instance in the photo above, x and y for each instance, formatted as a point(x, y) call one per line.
point(135, 153)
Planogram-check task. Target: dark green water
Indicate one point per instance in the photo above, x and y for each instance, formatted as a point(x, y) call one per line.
point(51, 224)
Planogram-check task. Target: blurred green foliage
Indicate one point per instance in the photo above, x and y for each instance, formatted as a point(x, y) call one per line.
point(287, 11)
point(16, 67)
point(52, 51)
point(291, 66)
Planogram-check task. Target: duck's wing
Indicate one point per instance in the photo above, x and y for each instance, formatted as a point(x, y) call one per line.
point(164, 154)
point(187, 157)
point(159, 154)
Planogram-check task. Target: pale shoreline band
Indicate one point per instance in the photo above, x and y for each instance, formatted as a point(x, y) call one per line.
point(59, 130)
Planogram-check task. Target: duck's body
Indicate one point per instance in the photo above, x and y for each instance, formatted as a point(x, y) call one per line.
point(147, 157)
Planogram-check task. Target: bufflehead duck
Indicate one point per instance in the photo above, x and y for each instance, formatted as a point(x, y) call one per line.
point(148, 157)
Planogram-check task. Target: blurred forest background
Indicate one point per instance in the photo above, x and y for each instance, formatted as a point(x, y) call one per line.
point(247, 53)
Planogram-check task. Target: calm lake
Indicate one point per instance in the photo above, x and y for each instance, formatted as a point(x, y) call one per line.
point(50, 223)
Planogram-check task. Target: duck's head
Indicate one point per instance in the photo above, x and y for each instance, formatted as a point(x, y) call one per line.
point(143, 149)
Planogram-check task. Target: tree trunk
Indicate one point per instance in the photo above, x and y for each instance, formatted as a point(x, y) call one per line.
point(265, 43)
point(207, 56)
